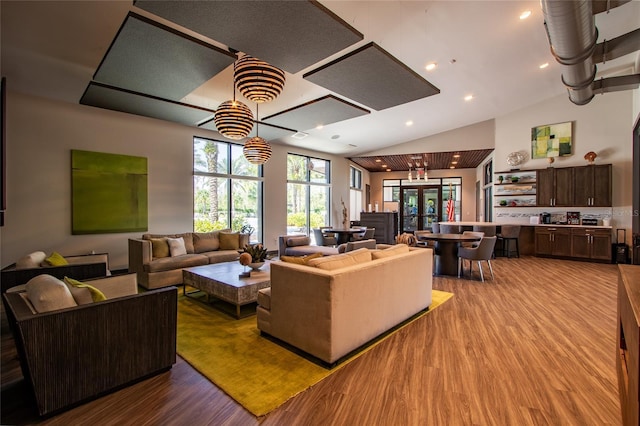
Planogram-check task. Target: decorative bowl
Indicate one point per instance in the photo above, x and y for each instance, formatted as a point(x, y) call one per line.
point(256, 265)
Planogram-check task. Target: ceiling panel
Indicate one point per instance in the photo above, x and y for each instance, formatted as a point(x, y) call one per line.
point(371, 76)
point(148, 57)
point(266, 131)
point(103, 96)
point(322, 111)
point(314, 30)
point(435, 160)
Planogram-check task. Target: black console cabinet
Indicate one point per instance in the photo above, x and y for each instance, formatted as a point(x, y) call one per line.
point(386, 224)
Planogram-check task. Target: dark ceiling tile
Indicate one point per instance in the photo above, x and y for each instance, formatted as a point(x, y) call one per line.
point(322, 111)
point(435, 160)
point(148, 57)
point(103, 96)
point(372, 77)
point(265, 29)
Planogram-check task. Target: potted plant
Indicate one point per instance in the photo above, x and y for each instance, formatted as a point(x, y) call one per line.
point(258, 255)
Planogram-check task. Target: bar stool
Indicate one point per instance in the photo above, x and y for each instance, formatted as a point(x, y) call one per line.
point(507, 234)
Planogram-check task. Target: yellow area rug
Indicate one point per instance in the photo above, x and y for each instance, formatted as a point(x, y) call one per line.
point(256, 372)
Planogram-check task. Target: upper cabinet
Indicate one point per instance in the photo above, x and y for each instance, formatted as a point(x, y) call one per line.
point(555, 187)
point(593, 186)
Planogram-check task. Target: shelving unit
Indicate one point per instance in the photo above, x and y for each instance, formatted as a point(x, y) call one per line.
point(515, 188)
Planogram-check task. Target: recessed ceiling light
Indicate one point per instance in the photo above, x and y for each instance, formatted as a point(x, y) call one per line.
point(378, 160)
point(409, 123)
point(431, 66)
point(319, 127)
point(388, 170)
point(468, 97)
point(384, 166)
point(452, 167)
point(543, 66)
point(454, 162)
point(456, 155)
point(335, 137)
point(525, 14)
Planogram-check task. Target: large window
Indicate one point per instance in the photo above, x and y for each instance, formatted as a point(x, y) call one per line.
point(308, 193)
point(355, 193)
point(227, 189)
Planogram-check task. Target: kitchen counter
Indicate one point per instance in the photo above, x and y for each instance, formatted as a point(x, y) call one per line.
point(525, 224)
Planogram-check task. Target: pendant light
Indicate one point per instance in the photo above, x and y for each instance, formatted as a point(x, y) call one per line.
point(257, 80)
point(257, 150)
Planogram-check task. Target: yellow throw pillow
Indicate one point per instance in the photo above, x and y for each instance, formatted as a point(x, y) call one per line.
point(300, 260)
point(159, 247)
point(391, 251)
point(229, 241)
point(56, 259)
point(96, 295)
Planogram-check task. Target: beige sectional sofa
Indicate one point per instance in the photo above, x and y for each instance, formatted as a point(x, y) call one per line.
point(335, 304)
point(157, 267)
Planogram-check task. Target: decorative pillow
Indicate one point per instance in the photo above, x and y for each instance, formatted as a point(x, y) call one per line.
point(32, 260)
point(84, 293)
point(206, 241)
point(391, 251)
point(360, 255)
point(300, 260)
point(298, 241)
point(47, 293)
point(176, 246)
point(56, 259)
point(159, 247)
point(229, 240)
point(330, 263)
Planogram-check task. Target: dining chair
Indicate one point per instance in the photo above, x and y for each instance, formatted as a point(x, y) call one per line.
point(323, 239)
point(489, 230)
point(471, 243)
point(366, 235)
point(509, 233)
point(481, 253)
point(450, 229)
point(435, 227)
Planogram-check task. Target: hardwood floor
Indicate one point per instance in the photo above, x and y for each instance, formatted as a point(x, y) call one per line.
point(534, 347)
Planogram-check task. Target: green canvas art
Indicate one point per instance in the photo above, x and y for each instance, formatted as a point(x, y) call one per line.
point(552, 140)
point(108, 193)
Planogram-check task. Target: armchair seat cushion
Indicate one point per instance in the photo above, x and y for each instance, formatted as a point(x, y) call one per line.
point(176, 262)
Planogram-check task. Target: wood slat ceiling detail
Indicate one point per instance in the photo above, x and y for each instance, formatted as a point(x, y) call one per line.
point(435, 160)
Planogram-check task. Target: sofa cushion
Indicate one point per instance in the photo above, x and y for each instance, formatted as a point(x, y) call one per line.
point(360, 255)
point(391, 251)
point(355, 245)
point(305, 250)
point(177, 262)
point(176, 246)
point(298, 241)
point(264, 298)
point(338, 261)
point(32, 260)
point(56, 259)
point(159, 247)
point(206, 241)
point(187, 236)
point(229, 240)
point(84, 293)
point(300, 260)
point(219, 256)
point(47, 293)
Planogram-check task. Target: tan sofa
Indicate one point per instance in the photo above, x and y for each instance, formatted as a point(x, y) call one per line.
point(202, 248)
point(328, 313)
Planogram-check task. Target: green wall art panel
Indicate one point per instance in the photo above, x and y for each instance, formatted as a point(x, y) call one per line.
point(551, 140)
point(108, 193)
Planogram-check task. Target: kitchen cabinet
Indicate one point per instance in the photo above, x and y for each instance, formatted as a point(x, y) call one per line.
point(553, 241)
point(589, 243)
point(555, 187)
point(592, 185)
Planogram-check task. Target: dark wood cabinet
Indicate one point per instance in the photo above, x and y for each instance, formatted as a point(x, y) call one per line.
point(553, 241)
point(386, 224)
point(555, 187)
point(592, 186)
point(589, 243)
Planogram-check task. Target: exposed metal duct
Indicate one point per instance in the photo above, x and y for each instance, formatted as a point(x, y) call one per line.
point(573, 39)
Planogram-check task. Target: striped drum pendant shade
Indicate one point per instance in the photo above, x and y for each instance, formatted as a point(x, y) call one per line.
point(257, 150)
point(234, 120)
point(257, 80)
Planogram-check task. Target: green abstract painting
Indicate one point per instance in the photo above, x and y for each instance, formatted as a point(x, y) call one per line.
point(108, 193)
point(551, 140)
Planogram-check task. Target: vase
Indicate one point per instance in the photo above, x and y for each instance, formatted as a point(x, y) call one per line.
point(256, 265)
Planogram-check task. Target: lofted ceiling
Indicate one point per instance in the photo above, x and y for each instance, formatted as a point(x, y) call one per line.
point(355, 70)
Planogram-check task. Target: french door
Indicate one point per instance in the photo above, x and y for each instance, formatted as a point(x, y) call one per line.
point(420, 207)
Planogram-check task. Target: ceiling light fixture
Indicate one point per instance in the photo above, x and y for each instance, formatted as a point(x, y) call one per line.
point(409, 123)
point(525, 14)
point(233, 119)
point(431, 66)
point(468, 98)
point(257, 80)
point(543, 66)
point(378, 160)
point(257, 150)
point(319, 127)
point(456, 155)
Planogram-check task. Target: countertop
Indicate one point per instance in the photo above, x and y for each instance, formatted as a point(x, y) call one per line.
point(525, 224)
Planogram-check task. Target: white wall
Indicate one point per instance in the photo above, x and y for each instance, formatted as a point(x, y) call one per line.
point(40, 135)
point(602, 126)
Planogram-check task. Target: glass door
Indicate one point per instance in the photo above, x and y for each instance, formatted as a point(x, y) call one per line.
point(420, 207)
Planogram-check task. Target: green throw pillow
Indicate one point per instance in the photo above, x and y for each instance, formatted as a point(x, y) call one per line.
point(229, 241)
point(159, 247)
point(56, 259)
point(96, 294)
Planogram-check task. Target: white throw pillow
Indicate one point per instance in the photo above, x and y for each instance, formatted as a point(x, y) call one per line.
point(47, 293)
point(176, 246)
point(32, 260)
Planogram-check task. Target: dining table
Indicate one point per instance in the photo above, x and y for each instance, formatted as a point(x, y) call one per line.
point(446, 251)
point(343, 235)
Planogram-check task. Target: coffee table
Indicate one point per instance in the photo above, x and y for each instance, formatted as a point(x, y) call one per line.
point(221, 280)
